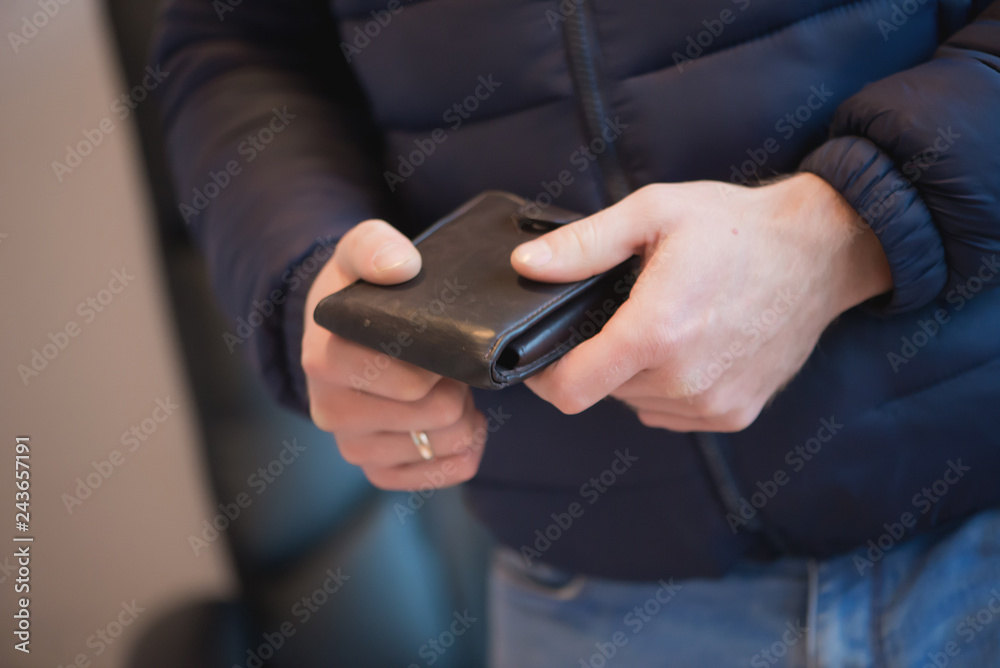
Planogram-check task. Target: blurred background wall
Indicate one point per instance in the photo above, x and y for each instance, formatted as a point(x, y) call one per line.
point(62, 238)
point(144, 427)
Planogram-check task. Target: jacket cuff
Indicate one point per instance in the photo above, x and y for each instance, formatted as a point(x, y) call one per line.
point(282, 354)
point(890, 204)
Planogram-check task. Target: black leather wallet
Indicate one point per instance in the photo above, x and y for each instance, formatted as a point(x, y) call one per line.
point(468, 315)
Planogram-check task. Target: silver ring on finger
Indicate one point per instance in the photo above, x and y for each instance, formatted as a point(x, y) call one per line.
point(423, 444)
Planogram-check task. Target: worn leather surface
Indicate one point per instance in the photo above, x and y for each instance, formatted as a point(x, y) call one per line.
point(468, 315)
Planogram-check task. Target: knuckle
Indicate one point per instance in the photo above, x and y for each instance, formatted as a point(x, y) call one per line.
point(709, 405)
point(682, 386)
point(451, 411)
point(321, 418)
point(568, 400)
point(650, 196)
point(739, 419)
point(413, 387)
point(476, 441)
point(649, 419)
point(375, 234)
point(695, 405)
point(321, 351)
point(584, 235)
point(657, 343)
point(351, 452)
point(366, 229)
point(689, 383)
point(461, 443)
point(361, 240)
point(448, 408)
point(312, 360)
point(470, 445)
point(647, 193)
point(466, 467)
point(381, 478)
point(349, 242)
point(647, 350)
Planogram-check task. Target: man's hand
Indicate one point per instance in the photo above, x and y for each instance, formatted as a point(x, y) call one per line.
point(736, 287)
point(372, 418)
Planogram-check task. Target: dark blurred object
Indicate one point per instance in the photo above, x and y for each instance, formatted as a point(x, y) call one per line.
point(401, 579)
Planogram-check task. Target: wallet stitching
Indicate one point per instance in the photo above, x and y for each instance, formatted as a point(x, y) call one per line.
point(559, 297)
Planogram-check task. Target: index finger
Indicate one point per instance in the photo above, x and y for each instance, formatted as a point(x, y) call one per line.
point(336, 360)
point(595, 368)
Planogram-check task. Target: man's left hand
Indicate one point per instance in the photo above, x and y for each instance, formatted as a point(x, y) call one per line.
point(737, 285)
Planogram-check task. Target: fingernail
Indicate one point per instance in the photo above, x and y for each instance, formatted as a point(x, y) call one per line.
point(533, 254)
point(392, 255)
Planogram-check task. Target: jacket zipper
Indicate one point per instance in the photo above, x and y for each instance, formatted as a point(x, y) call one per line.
point(715, 453)
point(581, 40)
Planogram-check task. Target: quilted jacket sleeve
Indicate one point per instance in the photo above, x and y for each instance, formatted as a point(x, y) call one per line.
point(918, 155)
point(271, 149)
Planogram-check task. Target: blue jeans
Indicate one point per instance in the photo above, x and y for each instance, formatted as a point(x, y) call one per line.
point(930, 601)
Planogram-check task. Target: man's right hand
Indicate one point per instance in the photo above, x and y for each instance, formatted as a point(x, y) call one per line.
point(372, 425)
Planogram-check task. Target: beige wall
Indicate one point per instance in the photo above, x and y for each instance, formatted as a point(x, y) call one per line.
point(60, 243)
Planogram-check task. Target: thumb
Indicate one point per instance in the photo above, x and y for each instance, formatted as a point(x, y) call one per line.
point(581, 249)
point(377, 252)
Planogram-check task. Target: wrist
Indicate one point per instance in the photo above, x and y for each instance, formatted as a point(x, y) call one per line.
point(848, 255)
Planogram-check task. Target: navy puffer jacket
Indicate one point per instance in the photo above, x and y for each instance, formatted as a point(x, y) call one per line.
point(291, 121)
